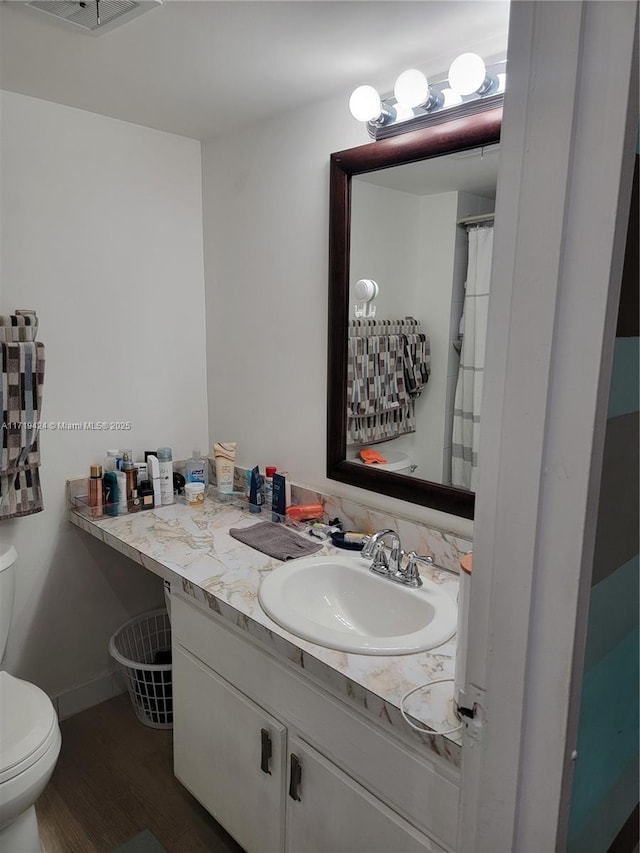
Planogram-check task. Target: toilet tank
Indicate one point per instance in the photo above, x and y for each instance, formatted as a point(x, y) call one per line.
point(8, 557)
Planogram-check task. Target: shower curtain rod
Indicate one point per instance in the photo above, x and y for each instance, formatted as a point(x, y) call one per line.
point(476, 220)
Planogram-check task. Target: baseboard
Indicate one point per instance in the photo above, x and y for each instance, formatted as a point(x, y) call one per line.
point(83, 696)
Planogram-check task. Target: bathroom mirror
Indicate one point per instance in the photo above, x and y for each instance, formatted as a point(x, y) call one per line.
point(401, 211)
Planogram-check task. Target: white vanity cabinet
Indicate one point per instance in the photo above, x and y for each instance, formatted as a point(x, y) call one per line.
point(328, 811)
point(229, 753)
point(285, 766)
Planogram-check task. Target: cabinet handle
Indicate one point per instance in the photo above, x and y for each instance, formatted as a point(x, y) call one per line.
point(295, 777)
point(265, 753)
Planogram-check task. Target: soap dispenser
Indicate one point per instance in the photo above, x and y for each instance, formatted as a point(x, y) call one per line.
point(197, 469)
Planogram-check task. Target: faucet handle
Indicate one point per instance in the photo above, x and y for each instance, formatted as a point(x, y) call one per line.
point(380, 562)
point(410, 572)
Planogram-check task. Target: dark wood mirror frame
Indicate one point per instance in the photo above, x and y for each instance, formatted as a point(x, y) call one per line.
point(457, 135)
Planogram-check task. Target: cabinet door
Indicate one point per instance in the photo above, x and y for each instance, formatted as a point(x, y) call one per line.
point(328, 811)
point(230, 754)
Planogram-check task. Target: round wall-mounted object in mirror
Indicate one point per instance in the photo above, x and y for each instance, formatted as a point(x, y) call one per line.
point(365, 290)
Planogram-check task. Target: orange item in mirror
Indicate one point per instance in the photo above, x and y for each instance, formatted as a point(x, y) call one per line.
point(370, 456)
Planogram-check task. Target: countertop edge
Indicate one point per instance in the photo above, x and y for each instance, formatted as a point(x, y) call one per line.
point(279, 644)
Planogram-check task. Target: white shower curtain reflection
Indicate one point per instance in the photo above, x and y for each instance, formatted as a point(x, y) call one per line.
point(466, 415)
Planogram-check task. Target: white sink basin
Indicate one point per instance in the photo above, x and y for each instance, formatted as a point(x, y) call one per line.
point(339, 603)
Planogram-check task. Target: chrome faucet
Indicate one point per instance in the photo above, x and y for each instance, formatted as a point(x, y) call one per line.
point(374, 549)
point(391, 566)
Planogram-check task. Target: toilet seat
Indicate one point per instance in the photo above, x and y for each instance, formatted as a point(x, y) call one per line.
point(28, 725)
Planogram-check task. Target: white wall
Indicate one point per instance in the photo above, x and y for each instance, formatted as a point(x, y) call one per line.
point(565, 180)
point(438, 219)
point(412, 247)
point(385, 240)
point(102, 235)
point(266, 215)
point(386, 236)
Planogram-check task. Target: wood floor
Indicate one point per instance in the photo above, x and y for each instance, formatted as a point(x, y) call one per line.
point(114, 778)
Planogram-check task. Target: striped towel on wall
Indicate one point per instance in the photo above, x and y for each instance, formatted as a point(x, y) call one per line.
point(417, 362)
point(388, 365)
point(16, 328)
point(22, 370)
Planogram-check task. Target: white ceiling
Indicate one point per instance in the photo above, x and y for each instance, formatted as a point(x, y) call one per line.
point(200, 68)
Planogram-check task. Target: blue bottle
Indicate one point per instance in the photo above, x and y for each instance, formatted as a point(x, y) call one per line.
point(110, 493)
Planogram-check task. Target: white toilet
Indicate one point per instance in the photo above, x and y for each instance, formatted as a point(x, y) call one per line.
point(29, 737)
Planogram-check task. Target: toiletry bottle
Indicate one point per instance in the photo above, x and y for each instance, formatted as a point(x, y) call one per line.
point(141, 469)
point(121, 478)
point(165, 462)
point(110, 493)
point(95, 491)
point(194, 493)
point(281, 495)
point(256, 494)
point(153, 467)
point(127, 456)
point(269, 471)
point(132, 477)
point(134, 503)
point(145, 492)
point(112, 461)
point(196, 469)
point(225, 457)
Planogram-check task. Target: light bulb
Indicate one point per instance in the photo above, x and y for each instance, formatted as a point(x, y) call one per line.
point(412, 88)
point(365, 103)
point(467, 73)
point(451, 98)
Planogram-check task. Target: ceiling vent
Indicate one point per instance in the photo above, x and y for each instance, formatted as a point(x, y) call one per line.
point(94, 17)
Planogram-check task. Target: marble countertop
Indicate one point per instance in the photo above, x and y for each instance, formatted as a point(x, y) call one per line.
point(192, 546)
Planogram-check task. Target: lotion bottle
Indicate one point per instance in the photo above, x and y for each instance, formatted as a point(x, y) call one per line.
point(225, 457)
point(153, 467)
point(165, 462)
point(121, 477)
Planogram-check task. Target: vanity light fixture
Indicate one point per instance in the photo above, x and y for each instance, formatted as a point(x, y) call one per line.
point(417, 103)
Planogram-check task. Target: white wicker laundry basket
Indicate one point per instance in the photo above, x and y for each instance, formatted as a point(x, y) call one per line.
point(142, 648)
